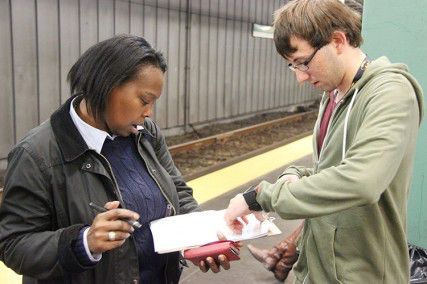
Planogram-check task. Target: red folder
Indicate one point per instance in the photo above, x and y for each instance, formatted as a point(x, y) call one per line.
point(227, 248)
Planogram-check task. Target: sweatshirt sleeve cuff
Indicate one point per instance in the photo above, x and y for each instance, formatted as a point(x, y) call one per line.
point(264, 196)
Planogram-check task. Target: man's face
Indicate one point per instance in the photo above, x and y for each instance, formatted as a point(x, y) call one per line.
point(130, 103)
point(324, 69)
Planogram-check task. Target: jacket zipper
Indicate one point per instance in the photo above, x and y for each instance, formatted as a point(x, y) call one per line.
point(329, 124)
point(304, 231)
point(116, 190)
point(327, 133)
point(305, 278)
point(116, 186)
point(321, 150)
point(169, 206)
point(317, 125)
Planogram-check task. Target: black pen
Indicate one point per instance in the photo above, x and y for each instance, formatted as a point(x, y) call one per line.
point(98, 208)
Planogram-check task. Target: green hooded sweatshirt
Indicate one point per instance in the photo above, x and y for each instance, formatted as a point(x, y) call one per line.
point(354, 199)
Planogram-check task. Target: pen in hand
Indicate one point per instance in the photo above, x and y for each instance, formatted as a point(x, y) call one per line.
point(98, 208)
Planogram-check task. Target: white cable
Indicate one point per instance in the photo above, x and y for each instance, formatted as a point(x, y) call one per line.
point(344, 138)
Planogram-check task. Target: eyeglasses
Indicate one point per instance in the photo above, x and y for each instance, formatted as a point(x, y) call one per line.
point(303, 66)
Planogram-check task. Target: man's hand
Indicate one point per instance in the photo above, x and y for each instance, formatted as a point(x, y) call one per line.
point(236, 208)
point(109, 230)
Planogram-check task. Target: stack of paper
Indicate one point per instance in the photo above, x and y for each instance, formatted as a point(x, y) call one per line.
point(180, 232)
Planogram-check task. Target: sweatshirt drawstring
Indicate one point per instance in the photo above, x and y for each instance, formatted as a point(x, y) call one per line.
point(344, 138)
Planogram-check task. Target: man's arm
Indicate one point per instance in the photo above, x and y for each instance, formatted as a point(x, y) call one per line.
point(370, 165)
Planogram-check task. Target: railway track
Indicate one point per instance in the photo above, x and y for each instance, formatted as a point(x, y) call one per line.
point(210, 146)
point(223, 137)
point(205, 171)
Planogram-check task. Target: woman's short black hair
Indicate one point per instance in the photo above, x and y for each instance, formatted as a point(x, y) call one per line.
point(108, 64)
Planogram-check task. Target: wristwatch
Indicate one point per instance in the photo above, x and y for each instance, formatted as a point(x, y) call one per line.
point(250, 197)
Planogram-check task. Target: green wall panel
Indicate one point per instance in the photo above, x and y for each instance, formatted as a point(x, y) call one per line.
point(398, 29)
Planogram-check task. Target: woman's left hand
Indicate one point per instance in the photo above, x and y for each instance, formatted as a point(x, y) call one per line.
point(213, 265)
point(222, 261)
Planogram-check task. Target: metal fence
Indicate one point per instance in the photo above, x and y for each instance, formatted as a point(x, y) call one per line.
point(216, 69)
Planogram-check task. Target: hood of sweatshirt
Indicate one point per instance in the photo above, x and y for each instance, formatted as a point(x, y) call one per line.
point(383, 65)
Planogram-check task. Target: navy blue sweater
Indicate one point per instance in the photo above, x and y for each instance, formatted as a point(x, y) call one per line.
point(140, 194)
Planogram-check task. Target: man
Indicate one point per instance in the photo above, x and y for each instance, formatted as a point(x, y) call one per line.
point(354, 197)
point(280, 258)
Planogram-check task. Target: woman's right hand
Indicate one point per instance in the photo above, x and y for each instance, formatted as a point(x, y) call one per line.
point(109, 230)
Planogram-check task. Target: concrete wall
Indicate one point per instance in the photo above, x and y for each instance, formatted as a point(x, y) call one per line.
point(397, 29)
point(217, 70)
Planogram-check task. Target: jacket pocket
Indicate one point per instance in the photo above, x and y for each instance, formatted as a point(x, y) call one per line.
point(360, 257)
point(320, 249)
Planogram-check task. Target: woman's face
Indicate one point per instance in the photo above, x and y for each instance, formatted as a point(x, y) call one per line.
point(130, 103)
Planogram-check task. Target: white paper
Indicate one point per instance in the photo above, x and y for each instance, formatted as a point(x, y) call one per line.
point(185, 231)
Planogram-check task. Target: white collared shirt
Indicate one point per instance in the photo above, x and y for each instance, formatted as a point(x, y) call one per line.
point(93, 136)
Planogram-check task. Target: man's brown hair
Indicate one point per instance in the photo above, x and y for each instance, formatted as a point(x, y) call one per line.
point(314, 21)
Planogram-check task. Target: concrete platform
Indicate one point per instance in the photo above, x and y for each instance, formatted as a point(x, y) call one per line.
point(247, 269)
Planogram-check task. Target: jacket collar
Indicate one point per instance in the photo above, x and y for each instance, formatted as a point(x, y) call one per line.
point(70, 141)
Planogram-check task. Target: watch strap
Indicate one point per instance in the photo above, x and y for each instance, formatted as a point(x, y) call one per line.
point(250, 198)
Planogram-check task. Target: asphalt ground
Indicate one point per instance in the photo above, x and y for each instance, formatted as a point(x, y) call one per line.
point(247, 269)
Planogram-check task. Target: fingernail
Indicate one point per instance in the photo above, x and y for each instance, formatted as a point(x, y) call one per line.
point(132, 229)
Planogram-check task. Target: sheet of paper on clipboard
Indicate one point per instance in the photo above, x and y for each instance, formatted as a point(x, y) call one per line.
point(195, 229)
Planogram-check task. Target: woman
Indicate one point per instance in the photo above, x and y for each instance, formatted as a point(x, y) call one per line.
point(99, 147)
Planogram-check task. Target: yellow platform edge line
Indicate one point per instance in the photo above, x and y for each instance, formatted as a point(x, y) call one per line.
point(8, 276)
point(219, 182)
